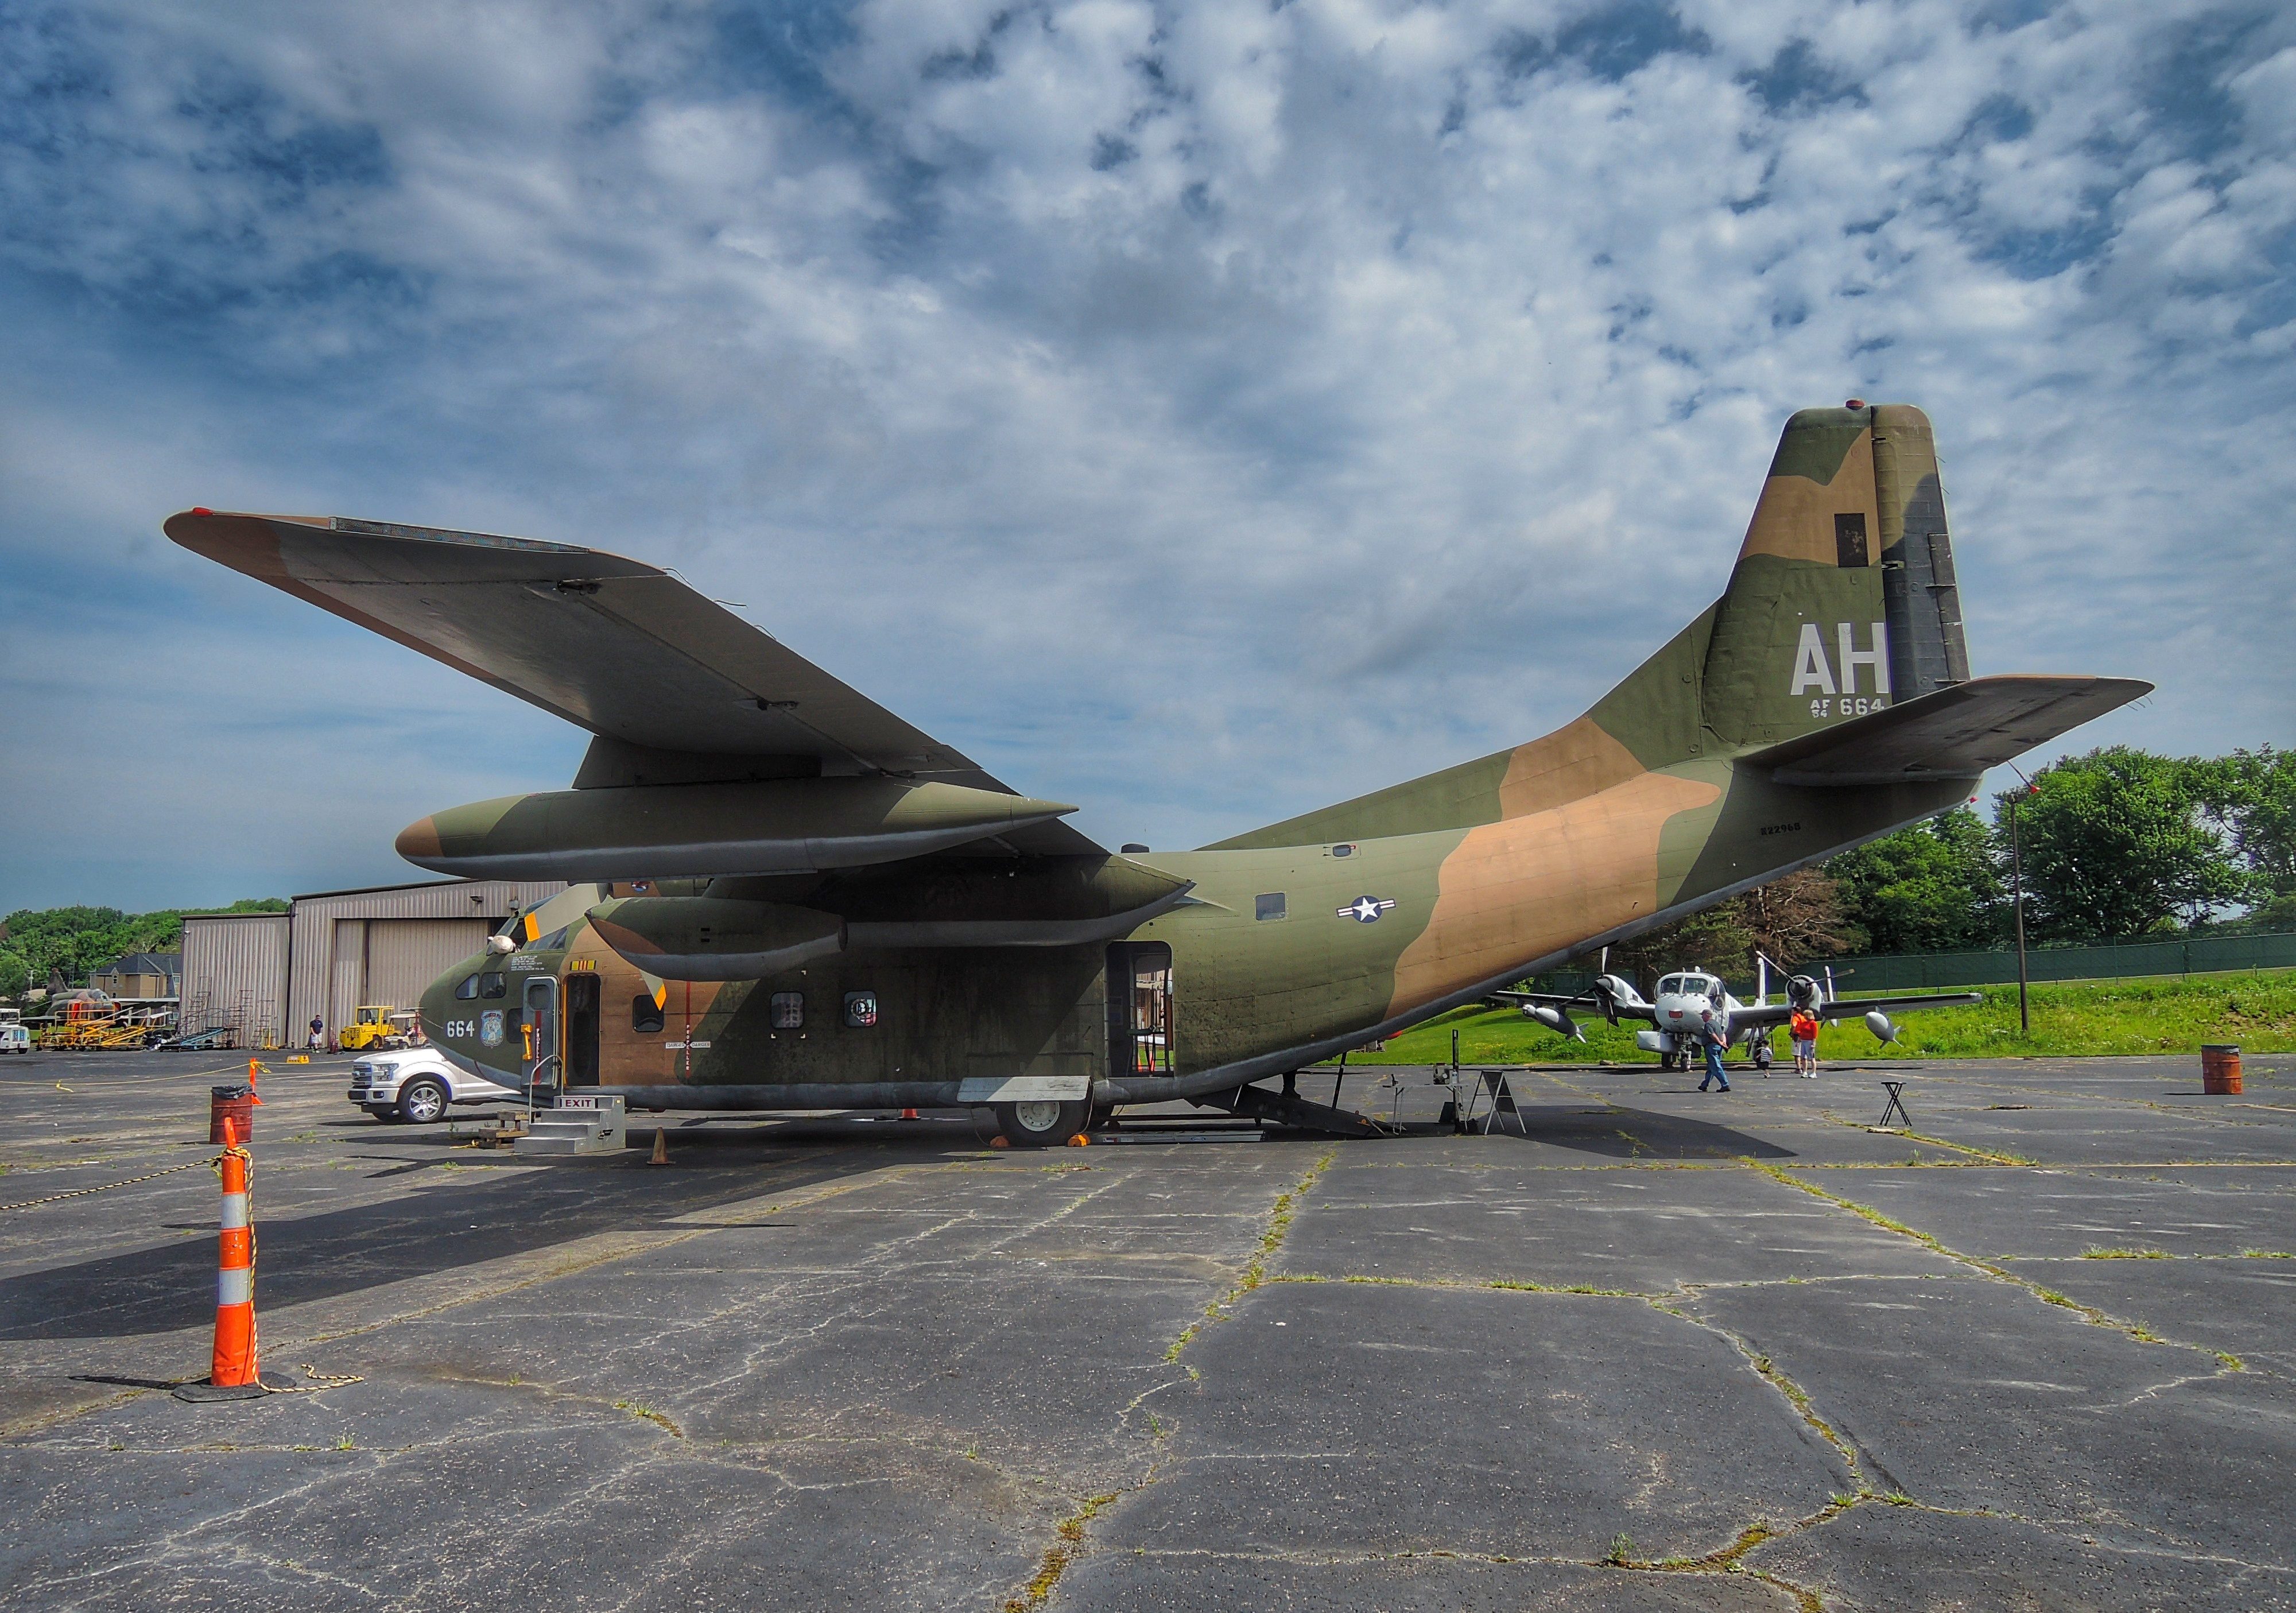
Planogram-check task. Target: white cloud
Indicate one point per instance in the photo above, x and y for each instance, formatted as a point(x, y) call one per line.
point(1196, 411)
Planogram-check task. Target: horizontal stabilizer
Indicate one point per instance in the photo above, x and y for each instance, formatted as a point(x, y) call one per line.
point(1956, 732)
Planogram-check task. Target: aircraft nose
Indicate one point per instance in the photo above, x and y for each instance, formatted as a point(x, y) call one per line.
point(419, 839)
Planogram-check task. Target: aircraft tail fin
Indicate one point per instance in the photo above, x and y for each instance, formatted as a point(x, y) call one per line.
point(1843, 600)
point(1843, 603)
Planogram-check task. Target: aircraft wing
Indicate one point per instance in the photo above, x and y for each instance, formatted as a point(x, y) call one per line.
point(676, 687)
point(1846, 1008)
point(1954, 732)
point(1586, 1000)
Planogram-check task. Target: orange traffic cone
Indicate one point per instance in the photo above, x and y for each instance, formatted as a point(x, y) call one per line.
point(908, 1114)
point(661, 1146)
point(235, 1365)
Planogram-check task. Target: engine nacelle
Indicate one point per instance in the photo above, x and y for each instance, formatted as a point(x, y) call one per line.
point(668, 830)
point(1613, 993)
point(710, 938)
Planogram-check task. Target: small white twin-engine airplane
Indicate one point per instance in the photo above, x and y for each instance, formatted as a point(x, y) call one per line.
point(1688, 998)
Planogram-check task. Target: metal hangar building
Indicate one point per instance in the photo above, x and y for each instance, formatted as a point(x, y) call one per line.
point(266, 974)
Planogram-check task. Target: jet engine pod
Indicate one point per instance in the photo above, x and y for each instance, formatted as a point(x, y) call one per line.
point(712, 939)
point(672, 831)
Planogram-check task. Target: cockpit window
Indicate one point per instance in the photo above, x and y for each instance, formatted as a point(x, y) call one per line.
point(466, 988)
point(1672, 983)
point(490, 985)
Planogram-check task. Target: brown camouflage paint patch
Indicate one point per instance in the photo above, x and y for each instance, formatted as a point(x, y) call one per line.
point(1528, 886)
point(627, 1056)
point(1794, 517)
point(1570, 763)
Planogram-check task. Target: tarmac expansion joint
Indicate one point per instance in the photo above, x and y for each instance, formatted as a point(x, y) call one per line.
point(1977, 1155)
point(1068, 1541)
point(1255, 1272)
point(2226, 1361)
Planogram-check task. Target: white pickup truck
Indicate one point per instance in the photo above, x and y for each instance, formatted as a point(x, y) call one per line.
point(417, 1084)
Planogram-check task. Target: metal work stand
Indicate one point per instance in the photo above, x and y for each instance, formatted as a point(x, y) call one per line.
point(1895, 1106)
point(1502, 1095)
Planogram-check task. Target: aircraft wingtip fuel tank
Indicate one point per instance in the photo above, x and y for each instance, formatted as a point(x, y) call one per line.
point(788, 897)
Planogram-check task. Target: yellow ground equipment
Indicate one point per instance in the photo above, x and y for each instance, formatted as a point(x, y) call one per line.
point(96, 1032)
point(374, 1026)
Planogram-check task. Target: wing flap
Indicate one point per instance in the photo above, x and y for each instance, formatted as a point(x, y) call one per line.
point(1955, 733)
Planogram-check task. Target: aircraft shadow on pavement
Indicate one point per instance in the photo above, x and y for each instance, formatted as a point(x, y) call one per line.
point(437, 1229)
point(1620, 1132)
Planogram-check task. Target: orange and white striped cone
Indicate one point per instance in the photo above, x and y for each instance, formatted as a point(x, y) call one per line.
point(235, 1366)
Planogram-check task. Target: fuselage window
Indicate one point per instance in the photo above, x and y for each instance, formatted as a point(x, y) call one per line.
point(789, 1010)
point(466, 988)
point(1268, 906)
point(490, 985)
point(860, 1009)
point(645, 1013)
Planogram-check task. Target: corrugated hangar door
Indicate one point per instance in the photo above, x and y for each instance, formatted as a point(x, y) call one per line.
point(405, 955)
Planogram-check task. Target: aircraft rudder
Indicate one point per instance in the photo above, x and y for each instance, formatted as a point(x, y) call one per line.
point(1843, 599)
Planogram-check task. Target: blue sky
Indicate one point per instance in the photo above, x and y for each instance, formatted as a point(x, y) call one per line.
point(1195, 412)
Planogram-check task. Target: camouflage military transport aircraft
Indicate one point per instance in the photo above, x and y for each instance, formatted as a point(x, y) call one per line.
point(785, 897)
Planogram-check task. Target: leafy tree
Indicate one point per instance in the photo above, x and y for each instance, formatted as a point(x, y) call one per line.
point(1796, 918)
point(1931, 888)
point(1793, 918)
point(2250, 798)
point(2273, 917)
point(76, 941)
point(2118, 842)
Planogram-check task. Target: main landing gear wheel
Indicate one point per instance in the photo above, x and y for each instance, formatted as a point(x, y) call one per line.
point(1041, 1125)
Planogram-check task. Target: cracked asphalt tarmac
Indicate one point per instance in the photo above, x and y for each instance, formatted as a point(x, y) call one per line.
point(1667, 1351)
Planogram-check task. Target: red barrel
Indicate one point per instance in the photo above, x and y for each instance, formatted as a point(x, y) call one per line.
point(2220, 1069)
point(231, 1114)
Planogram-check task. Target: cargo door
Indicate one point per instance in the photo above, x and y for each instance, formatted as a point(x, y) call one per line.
point(538, 1024)
point(582, 998)
point(1139, 1009)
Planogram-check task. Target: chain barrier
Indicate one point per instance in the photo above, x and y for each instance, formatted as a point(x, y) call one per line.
point(81, 1192)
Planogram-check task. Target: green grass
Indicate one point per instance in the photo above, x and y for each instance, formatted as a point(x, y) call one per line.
point(2069, 1018)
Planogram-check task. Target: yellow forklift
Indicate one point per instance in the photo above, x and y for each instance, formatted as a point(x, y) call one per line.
point(376, 1025)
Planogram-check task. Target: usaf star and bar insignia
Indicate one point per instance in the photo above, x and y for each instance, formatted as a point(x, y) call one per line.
point(1365, 910)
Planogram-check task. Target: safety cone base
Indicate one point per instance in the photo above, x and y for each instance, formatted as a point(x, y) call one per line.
point(201, 1393)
